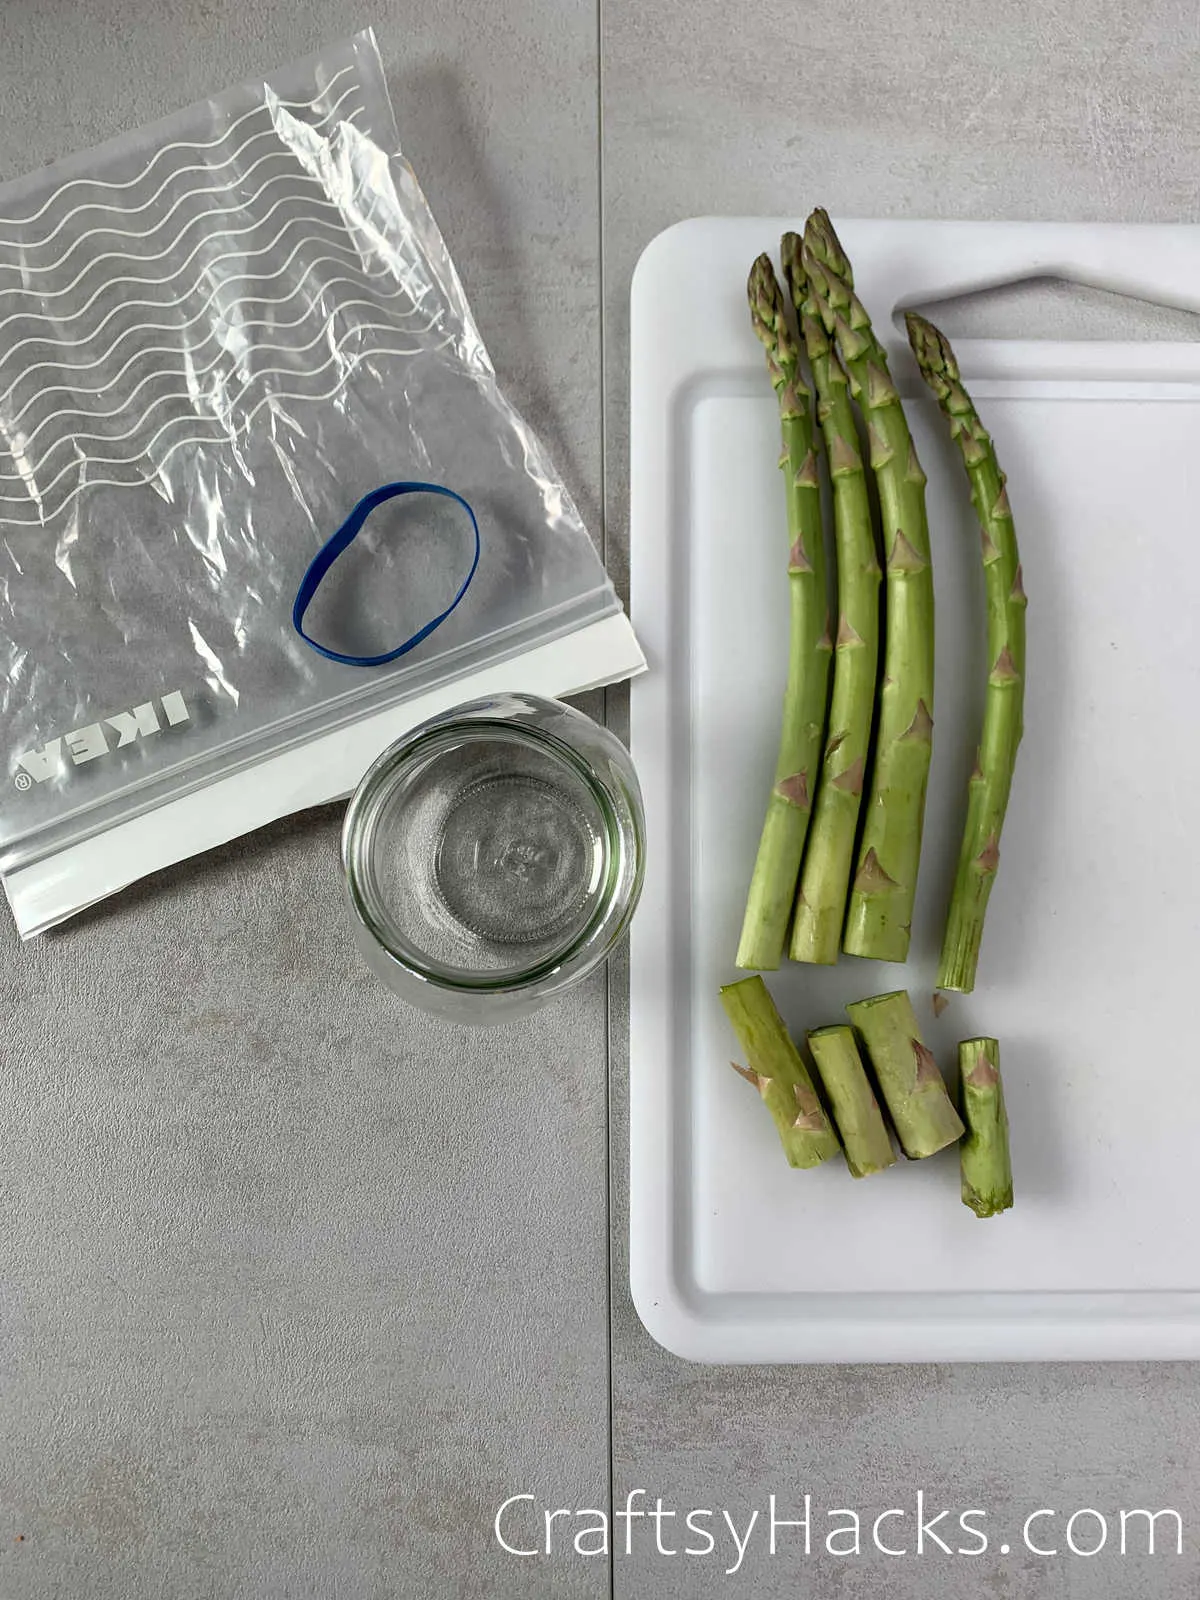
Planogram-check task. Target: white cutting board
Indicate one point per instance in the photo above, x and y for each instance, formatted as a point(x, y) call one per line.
point(1092, 950)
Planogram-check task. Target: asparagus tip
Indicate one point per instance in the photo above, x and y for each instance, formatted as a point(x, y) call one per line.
point(821, 238)
point(791, 255)
point(934, 355)
point(768, 316)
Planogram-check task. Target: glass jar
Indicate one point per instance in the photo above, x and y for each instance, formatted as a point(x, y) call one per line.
point(494, 856)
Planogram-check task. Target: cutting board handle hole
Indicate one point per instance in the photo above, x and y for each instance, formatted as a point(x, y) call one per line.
point(1045, 307)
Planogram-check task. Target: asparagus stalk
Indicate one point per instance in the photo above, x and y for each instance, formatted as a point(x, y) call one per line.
point(987, 1185)
point(856, 1112)
point(921, 1110)
point(776, 1070)
point(829, 854)
point(1003, 717)
point(879, 918)
point(781, 846)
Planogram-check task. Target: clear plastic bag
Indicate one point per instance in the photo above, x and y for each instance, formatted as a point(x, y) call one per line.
point(216, 335)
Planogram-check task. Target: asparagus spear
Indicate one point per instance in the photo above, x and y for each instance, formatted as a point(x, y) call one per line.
point(921, 1110)
point(829, 855)
point(781, 846)
point(776, 1070)
point(991, 779)
point(855, 1110)
point(881, 899)
point(987, 1185)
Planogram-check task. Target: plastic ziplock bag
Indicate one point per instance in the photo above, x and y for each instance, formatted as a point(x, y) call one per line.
point(216, 336)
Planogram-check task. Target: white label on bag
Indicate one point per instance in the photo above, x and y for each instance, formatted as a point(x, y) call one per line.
point(90, 741)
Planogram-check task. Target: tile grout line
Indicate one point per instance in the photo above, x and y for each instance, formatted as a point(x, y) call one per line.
point(608, 997)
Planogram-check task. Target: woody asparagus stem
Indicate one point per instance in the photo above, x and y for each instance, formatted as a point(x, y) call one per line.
point(848, 1091)
point(776, 1069)
point(913, 1089)
point(987, 1184)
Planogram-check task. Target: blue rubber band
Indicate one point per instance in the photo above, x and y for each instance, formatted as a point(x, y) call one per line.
point(337, 543)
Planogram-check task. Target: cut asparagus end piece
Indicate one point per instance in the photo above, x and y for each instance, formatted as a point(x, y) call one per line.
point(855, 1109)
point(777, 1070)
point(987, 1185)
point(913, 1089)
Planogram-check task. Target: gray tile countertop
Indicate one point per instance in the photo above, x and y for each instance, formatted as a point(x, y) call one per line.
point(296, 1285)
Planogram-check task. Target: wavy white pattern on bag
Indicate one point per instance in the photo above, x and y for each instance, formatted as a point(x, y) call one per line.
point(183, 327)
point(171, 350)
point(272, 399)
point(59, 319)
point(115, 422)
point(111, 230)
point(170, 305)
point(222, 410)
point(167, 149)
